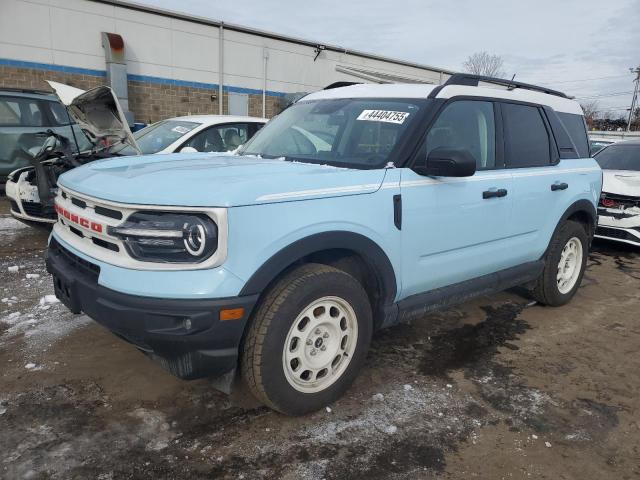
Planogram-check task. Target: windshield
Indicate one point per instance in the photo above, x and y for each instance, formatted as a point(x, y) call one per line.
point(619, 157)
point(357, 133)
point(157, 136)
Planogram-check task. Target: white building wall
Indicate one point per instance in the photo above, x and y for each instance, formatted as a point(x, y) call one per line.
point(67, 33)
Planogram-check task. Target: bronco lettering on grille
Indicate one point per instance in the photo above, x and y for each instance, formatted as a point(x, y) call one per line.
point(78, 220)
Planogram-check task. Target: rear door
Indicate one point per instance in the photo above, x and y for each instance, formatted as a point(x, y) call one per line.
point(456, 229)
point(540, 184)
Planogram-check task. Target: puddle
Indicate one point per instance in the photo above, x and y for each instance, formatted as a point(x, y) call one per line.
point(467, 345)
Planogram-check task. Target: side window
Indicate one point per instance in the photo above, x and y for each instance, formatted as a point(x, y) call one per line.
point(526, 137)
point(577, 131)
point(467, 124)
point(20, 112)
point(224, 138)
point(59, 113)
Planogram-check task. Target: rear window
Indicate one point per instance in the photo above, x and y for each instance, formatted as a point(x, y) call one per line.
point(577, 131)
point(21, 112)
point(619, 157)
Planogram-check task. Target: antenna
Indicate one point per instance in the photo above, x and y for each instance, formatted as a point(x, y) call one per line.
point(509, 87)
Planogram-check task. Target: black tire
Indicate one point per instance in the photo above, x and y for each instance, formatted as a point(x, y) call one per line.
point(546, 290)
point(262, 366)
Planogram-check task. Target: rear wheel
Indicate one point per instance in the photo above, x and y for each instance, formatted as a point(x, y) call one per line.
point(308, 339)
point(565, 262)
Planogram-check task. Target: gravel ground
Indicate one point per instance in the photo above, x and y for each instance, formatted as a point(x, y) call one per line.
point(496, 388)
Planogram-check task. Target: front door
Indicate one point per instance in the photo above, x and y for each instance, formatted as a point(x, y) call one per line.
point(456, 229)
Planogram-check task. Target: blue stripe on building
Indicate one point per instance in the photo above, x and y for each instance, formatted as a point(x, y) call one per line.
point(135, 78)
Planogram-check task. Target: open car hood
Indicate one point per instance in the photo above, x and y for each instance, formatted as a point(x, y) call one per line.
point(98, 113)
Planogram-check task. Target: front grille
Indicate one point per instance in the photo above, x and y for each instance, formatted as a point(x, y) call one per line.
point(35, 209)
point(616, 233)
point(108, 212)
point(80, 265)
point(14, 206)
point(32, 208)
point(91, 212)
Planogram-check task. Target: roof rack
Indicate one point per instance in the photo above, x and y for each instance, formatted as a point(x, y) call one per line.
point(473, 81)
point(341, 84)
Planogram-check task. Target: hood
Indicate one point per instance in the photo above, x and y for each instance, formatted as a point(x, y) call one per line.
point(98, 113)
point(621, 182)
point(214, 180)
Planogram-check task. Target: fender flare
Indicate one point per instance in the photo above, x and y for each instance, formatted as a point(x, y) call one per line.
point(584, 206)
point(369, 250)
point(581, 206)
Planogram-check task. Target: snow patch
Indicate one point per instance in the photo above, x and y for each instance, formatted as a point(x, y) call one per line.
point(49, 299)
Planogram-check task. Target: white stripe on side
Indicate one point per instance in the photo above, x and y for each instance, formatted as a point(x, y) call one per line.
point(421, 182)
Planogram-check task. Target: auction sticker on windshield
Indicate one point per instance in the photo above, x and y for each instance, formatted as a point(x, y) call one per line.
point(181, 130)
point(387, 116)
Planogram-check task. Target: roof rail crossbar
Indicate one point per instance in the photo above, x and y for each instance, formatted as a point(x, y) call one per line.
point(341, 84)
point(473, 81)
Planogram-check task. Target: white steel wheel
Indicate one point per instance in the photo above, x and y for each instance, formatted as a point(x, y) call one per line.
point(569, 265)
point(320, 344)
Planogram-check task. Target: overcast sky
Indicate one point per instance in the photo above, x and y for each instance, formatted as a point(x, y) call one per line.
point(564, 44)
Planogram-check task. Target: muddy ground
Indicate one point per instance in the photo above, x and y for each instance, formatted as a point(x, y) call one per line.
point(496, 388)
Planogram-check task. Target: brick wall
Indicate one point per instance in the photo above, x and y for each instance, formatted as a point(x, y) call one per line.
point(149, 102)
point(35, 79)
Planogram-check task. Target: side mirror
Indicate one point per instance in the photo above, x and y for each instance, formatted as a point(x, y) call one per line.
point(448, 162)
point(188, 150)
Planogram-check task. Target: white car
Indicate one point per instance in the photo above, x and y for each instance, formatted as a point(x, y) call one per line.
point(31, 190)
point(201, 133)
point(619, 207)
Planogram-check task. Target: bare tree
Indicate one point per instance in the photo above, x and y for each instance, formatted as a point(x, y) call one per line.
point(482, 63)
point(590, 110)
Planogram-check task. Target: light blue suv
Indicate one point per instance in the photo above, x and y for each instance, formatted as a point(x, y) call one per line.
point(355, 208)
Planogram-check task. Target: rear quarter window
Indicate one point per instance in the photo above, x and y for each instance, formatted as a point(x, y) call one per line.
point(577, 131)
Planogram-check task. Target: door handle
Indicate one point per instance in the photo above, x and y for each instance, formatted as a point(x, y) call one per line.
point(500, 192)
point(559, 186)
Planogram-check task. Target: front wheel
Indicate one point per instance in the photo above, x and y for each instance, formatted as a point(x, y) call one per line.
point(565, 263)
point(308, 339)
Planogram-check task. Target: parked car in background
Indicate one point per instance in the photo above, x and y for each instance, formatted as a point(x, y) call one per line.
point(619, 206)
point(93, 110)
point(24, 117)
point(353, 209)
point(195, 133)
point(100, 125)
point(597, 144)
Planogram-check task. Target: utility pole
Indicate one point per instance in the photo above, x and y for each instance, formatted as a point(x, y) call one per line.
point(634, 99)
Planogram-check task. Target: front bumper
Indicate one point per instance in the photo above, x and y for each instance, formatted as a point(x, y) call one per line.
point(185, 335)
point(25, 201)
point(619, 225)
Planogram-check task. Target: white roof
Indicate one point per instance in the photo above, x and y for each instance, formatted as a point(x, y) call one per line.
point(375, 90)
point(215, 119)
point(399, 90)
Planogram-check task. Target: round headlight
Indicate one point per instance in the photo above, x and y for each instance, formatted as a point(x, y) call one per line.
point(194, 238)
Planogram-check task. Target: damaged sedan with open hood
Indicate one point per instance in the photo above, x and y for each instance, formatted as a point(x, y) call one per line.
point(31, 190)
